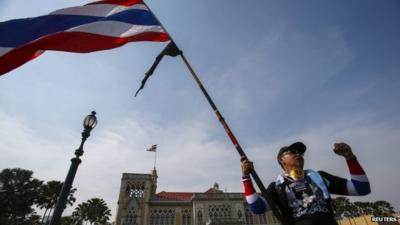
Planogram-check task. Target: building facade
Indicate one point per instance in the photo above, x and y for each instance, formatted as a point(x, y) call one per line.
point(140, 204)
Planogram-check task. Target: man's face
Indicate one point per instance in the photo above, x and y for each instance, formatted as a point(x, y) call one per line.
point(292, 159)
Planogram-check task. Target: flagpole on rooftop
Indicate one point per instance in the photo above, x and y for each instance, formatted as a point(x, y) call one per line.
point(227, 129)
point(155, 159)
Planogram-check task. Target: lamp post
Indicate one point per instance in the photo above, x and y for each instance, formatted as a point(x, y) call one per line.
point(89, 123)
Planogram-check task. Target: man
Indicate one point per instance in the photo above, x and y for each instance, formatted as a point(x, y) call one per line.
point(302, 197)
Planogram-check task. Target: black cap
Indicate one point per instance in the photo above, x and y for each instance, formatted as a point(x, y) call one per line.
point(297, 146)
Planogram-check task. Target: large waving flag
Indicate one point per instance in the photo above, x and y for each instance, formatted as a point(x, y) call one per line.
point(96, 26)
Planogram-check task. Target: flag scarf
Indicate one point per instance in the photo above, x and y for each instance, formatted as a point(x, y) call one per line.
point(95, 26)
point(171, 50)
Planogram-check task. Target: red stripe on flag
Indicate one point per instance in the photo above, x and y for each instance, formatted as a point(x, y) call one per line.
point(118, 2)
point(70, 42)
point(16, 58)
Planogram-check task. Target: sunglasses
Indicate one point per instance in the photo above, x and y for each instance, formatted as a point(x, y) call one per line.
point(294, 152)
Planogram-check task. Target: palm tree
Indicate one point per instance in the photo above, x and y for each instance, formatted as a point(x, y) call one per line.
point(93, 211)
point(48, 195)
point(19, 193)
point(81, 212)
point(70, 220)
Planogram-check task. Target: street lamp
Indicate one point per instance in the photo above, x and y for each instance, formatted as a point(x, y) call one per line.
point(89, 123)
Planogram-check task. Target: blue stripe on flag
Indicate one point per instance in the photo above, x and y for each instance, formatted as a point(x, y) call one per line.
point(17, 32)
point(134, 16)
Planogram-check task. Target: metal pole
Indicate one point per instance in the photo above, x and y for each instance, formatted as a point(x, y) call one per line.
point(230, 134)
point(62, 199)
point(155, 159)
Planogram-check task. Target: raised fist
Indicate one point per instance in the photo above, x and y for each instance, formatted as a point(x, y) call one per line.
point(247, 166)
point(344, 150)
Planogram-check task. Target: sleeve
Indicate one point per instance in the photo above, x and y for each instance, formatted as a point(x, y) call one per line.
point(257, 203)
point(357, 185)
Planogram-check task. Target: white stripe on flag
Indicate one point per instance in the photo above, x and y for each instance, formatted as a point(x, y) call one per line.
point(115, 28)
point(4, 50)
point(101, 10)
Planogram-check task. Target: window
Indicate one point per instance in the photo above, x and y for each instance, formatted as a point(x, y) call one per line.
point(162, 217)
point(187, 217)
point(274, 219)
point(248, 216)
point(131, 218)
point(199, 217)
point(239, 214)
point(219, 211)
point(262, 218)
point(135, 189)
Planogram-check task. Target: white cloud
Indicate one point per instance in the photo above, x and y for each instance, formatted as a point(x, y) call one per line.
point(286, 64)
point(22, 146)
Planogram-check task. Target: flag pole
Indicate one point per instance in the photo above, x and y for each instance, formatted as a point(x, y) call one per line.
point(155, 159)
point(226, 127)
point(232, 137)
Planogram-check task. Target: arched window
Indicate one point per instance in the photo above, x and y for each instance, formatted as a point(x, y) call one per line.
point(219, 211)
point(199, 218)
point(187, 217)
point(162, 217)
point(131, 217)
point(135, 189)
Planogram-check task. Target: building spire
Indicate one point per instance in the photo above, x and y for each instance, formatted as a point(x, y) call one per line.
point(154, 172)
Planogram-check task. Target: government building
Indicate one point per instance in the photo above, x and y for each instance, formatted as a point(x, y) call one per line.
point(140, 204)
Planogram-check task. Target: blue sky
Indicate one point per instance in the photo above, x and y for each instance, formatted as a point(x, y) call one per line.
point(279, 71)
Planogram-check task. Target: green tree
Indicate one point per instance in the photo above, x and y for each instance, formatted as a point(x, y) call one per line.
point(19, 193)
point(95, 211)
point(69, 220)
point(363, 208)
point(343, 208)
point(48, 195)
point(382, 208)
point(340, 205)
point(33, 219)
point(81, 212)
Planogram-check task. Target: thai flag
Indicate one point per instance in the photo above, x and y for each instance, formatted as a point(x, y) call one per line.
point(153, 148)
point(96, 26)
